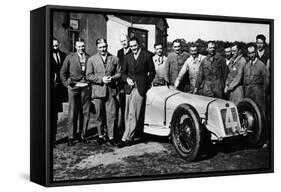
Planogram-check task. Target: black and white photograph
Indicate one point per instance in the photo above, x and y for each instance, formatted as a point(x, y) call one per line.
point(144, 95)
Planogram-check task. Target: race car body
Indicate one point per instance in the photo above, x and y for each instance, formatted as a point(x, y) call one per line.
point(170, 112)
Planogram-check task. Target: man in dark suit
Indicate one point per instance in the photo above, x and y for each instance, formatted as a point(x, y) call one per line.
point(138, 72)
point(73, 77)
point(121, 96)
point(103, 71)
point(58, 91)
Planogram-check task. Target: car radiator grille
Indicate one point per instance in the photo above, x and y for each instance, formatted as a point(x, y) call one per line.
point(230, 121)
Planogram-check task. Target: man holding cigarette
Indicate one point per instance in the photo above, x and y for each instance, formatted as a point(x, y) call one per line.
point(138, 72)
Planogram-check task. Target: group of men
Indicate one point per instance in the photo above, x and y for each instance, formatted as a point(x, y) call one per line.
point(117, 86)
point(232, 77)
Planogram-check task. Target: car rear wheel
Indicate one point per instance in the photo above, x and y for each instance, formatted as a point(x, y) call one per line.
point(186, 132)
point(252, 120)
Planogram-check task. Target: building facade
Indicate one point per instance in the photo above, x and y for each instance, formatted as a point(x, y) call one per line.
point(67, 26)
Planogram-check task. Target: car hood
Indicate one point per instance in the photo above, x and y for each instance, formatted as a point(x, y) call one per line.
point(171, 98)
point(162, 93)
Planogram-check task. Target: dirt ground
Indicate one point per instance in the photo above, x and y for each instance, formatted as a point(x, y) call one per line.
point(153, 156)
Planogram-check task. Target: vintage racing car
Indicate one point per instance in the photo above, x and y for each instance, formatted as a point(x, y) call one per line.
point(193, 120)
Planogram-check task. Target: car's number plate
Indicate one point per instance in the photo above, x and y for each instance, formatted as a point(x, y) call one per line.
point(230, 121)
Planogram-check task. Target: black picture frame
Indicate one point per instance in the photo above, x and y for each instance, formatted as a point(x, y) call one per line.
point(40, 130)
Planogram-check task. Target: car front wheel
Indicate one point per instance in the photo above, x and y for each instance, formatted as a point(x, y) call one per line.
point(186, 132)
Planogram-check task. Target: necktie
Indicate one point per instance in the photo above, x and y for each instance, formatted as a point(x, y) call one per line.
point(55, 57)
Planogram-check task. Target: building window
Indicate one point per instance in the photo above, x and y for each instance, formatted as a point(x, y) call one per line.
point(140, 34)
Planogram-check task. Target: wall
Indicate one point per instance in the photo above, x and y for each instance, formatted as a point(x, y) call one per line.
point(59, 32)
point(91, 27)
point(115, 28)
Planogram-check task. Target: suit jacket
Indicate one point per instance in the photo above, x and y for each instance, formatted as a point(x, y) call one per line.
point(71, 71)
point(121, 57)
point(173, 66)
point(264, 58)
point(59, 92)
point(141, 71)
point(56, 67)
point(235, 74)
point(256, 82)
point(97, 69)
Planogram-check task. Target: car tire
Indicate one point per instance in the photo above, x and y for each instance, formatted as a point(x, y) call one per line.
point(253, 120)
point(186, 132)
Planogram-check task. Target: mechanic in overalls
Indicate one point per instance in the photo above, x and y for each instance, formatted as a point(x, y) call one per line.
point(212, 74)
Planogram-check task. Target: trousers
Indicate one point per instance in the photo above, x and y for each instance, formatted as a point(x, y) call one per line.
point(121, 103)
point(133, 116)
point(79, 108)
point(105, 114)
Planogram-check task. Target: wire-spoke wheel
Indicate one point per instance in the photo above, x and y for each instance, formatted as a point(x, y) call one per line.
point(186, 132)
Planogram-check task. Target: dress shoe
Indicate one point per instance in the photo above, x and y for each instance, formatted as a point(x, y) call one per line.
point(122, 144)
point(112, 142)
point(100, 141)
point(70, 142)
point(83, 140)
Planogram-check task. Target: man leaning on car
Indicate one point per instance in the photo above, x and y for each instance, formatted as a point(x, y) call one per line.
point(174, 63)
point(191, 66)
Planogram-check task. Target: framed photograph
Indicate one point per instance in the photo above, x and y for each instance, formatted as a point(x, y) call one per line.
point(126, 95)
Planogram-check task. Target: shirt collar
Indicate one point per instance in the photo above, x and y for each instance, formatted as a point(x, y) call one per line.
point(198, 57)
point(82, 58)
point(126, 51)
point(138, 53)
point(157, 56)
point(180, 53)
point(211, 57)
point(104, 57)
point(253, 62)
point(261, 52)
point(237, 58)
point(80, 55)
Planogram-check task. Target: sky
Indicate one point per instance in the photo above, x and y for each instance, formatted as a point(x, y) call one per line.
point(191, 30)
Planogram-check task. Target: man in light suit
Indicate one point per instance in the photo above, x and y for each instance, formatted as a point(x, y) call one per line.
point(137, 72)
point(73, 77)
point(159, 60)
point(103, 71)
point(233, 85)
